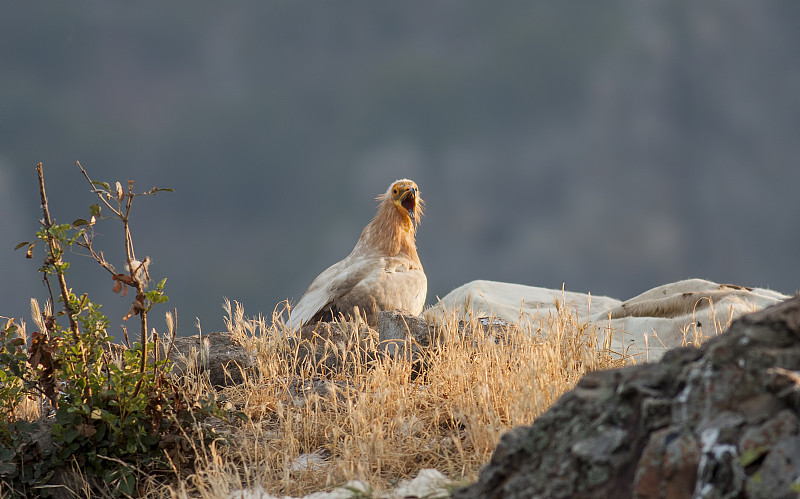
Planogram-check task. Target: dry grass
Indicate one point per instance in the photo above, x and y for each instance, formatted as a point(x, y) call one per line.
point(695, 336)
point(29, 408)
point(374, 420)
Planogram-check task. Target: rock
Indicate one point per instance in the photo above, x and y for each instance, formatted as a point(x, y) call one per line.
point(598, 448)
point(410, 336)
point(299, 391)
point(764, 436)
point(668, 466)
point(650, 471)
point(654, 321)
point(722, 420)
point(351, 490)
point(327, 348)
point(778, 475)
point(405, 336)
point(216, 353)
point(309, 461)
point(428, 483)
point(681, 458)
point(395, 327)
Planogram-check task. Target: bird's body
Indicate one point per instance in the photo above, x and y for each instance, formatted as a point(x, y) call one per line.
point(383, 272)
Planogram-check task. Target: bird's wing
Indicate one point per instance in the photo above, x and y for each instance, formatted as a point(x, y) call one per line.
point(335, 282)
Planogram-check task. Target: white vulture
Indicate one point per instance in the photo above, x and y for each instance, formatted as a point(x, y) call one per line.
point(383, 272)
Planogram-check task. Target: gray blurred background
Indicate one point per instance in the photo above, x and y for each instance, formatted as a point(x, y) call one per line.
point(612, 146)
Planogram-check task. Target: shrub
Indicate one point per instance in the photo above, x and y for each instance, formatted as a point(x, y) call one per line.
point(114, 412)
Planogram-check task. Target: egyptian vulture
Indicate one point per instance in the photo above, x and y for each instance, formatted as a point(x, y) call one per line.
point(383, 272)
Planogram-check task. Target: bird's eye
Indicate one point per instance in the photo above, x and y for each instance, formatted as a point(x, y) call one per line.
point(394, 191)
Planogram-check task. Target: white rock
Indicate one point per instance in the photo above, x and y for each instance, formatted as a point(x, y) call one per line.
point(429, 484)
point(353, 488)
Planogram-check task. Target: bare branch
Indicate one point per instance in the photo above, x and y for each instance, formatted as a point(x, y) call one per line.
point(99, 258)
point(55, 255)
point(100, 196)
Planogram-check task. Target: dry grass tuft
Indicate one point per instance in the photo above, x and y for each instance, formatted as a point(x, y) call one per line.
point(312, 428)
point(29, 408)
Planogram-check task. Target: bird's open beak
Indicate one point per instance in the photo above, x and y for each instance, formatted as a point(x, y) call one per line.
point(409, 202)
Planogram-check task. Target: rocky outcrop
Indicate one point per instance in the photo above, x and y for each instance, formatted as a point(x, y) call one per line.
point(718, 421)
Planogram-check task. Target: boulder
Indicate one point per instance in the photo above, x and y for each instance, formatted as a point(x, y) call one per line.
point(721, 420)
point(329, 348)
point(397, 330)
point(640, 329)
point(408, 336)
point(218, 354)
point(403, 334)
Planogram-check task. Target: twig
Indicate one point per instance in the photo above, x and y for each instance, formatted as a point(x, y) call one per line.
point(56, 261)
point(99, 258)
point(94, 189)
point(130, 258)
point(125, 333)
point(143, 365)
point(55, 254)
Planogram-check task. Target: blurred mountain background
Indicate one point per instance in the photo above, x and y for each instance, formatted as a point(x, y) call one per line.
point(611, 146)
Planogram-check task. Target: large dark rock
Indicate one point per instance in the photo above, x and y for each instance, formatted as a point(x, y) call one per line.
point(717, 421)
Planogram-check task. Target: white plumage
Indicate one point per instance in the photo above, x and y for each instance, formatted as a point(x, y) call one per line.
point(383, 272)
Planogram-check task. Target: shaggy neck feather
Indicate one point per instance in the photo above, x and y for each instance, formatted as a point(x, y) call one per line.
point(390, 232)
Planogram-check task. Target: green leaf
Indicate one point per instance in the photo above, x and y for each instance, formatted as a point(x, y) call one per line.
point(6, 454)
point(21, 245)
point(70, 434)
point(15, 368)
point(150, 440)
point(94, 210)
point(102, 429)
point(8, 470)
point(104, 185)
point(127, 482)
point(154, 190)
point(79, 222)
point(241, 415)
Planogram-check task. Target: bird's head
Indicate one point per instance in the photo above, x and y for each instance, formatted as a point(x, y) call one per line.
point(405, 196)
